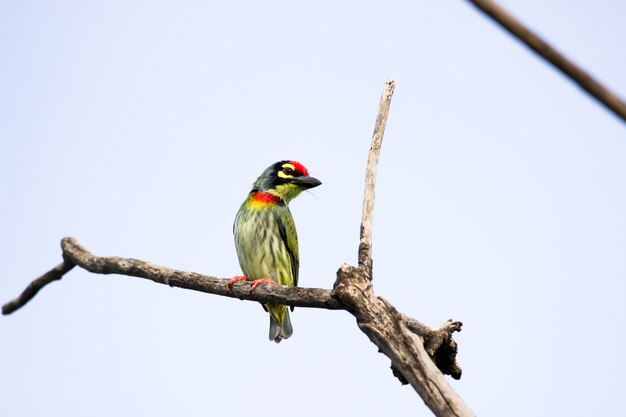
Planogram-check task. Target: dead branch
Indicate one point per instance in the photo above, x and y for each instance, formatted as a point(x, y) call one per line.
point(75, 255)
point(33, 288)
point(554, 57)
point(380, 321)
point(418, 353)
point(365, 243)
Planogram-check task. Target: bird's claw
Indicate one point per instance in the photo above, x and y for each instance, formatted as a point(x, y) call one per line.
point(229, 285)
point(257, 282)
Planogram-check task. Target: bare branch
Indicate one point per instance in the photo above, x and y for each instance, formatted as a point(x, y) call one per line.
point(386, 328)
point(439, 344)
point(33, 288)
point(365, 244)
point(380, 321)
point(417, 352)
point(75, 254)
point(546, 51)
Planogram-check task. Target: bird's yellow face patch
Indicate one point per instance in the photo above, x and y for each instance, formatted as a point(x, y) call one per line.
point(286, 192)
point(286, 171)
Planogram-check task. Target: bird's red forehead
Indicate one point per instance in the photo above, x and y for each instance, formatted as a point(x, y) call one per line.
point(298, 167)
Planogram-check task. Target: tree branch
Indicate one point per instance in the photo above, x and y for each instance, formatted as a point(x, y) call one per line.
point(386, 328)
point(33, 288)
point(554, 57)
point(75, 254)
point(417, 352)
point(438, 343)
point(400, 338)
point(365, 244)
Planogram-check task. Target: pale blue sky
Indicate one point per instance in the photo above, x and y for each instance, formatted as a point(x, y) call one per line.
point(138, 127)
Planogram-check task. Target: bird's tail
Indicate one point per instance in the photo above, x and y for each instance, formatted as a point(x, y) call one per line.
point(280, 323)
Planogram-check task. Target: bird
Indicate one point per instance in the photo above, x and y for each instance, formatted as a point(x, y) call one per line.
point(266, 239)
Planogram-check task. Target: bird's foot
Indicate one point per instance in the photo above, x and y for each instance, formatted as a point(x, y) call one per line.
point(229, 285)
point(256, 283)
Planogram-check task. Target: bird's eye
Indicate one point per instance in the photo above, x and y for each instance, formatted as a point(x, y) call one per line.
point(287, 171)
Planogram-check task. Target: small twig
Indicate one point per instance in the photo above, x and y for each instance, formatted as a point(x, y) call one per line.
point(33, 288)
point(365, 244)
point(546, 51)
point(439, 344)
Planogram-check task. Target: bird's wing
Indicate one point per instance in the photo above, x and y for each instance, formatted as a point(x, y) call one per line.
point(290, 238)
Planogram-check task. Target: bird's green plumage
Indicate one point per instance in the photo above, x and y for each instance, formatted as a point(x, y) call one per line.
point(267, 243)
point(266, 237)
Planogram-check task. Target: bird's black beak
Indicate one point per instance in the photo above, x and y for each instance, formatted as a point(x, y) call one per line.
point(306, 182)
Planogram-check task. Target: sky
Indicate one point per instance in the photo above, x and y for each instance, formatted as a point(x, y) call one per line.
point(138, 127)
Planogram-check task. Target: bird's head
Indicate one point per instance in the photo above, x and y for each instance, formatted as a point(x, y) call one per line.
point(285, 179)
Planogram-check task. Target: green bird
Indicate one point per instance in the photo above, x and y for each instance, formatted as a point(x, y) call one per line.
point(266, 238)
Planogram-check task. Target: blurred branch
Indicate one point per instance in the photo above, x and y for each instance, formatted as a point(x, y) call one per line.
point(33, 288)
point(418, 353)
point(546, 51)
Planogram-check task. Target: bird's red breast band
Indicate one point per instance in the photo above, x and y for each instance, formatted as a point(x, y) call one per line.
point(265, 198)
